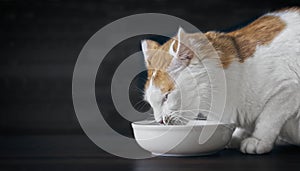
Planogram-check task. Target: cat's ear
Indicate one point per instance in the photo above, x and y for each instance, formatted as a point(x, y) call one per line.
point(179, 48)
point(147, 46)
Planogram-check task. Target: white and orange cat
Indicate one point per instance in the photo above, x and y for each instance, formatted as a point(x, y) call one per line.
point(262, 67)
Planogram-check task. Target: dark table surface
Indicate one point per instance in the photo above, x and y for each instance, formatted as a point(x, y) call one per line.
point(77, 152)
point(40, 44)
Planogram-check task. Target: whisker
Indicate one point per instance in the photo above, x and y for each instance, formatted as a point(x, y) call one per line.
point(139, 89)
point(139, 102)
point(143, 105)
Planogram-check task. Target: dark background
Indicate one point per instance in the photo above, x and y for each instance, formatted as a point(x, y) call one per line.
point(41, 40)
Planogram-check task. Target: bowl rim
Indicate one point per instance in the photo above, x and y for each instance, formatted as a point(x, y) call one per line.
point(141, 124)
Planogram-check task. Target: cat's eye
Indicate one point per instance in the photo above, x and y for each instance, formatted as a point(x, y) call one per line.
point(166, 97)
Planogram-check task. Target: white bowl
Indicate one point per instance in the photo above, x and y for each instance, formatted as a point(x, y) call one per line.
point(196, 138)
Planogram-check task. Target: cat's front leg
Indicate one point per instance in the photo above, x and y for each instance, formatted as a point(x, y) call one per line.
point(268, 125)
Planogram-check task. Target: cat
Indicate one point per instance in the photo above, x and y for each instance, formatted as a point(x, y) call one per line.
point(261, 62)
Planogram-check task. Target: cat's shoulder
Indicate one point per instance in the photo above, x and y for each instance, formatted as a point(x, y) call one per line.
point(287, 10)
point(286, 13)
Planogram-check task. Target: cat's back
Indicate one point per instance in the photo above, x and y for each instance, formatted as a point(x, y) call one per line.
point(291, 19)
point(271, 34)
point(285, 46)
point(289, 15)
point(282, 49)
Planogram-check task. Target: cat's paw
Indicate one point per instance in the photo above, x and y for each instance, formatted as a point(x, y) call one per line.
point(253, 145)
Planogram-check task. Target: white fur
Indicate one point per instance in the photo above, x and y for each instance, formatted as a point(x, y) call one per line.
point(268, 89)
point(263, 93)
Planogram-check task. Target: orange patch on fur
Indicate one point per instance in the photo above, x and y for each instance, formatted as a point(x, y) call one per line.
point(161, 80)
point(225, 47)
point(234, 46)
point(261, 32)
point(241, 44)
point(159, 61)
point(160, 58)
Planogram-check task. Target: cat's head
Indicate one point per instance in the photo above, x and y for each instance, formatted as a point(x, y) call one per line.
point(171, 86)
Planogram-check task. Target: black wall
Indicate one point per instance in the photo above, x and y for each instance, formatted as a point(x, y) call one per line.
point(40, 42)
